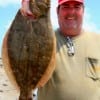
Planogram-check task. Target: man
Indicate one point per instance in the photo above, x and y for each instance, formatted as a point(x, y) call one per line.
point(77, 73)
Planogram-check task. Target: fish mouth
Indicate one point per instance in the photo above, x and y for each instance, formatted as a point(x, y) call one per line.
point(39, 8)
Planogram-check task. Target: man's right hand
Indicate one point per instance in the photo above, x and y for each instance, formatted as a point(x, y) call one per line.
point(25, 10)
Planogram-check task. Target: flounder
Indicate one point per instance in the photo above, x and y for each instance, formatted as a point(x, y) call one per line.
point(29, 48)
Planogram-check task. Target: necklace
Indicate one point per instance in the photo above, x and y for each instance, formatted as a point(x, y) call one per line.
point(70, 46)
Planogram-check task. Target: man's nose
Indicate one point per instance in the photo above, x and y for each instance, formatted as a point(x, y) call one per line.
point(71, 10)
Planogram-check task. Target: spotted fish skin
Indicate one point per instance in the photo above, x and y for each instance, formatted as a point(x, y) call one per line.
point(30, 48)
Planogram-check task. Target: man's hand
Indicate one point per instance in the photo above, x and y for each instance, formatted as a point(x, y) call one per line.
point(25, 10)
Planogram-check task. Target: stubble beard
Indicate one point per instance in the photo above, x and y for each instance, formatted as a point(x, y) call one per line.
point(70, 24)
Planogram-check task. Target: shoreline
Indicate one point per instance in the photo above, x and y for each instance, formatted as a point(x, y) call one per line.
point(7, 90)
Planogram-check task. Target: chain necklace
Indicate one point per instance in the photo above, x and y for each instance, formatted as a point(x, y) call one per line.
point(70, 46)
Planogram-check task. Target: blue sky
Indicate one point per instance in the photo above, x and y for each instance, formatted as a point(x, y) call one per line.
point(9, 8)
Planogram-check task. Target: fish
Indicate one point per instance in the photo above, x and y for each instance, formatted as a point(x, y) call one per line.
point(29, 49)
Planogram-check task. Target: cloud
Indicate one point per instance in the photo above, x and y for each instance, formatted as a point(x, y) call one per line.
point(88, 22)
point(4, 3)
point(53, 13)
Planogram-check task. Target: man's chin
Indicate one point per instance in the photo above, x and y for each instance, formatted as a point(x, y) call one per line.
point(71, 32)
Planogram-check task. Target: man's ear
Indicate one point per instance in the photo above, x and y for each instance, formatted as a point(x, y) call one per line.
point(83, 8)
point(57, 10)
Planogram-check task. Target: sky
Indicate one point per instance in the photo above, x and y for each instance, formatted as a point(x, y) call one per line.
point(9, 8)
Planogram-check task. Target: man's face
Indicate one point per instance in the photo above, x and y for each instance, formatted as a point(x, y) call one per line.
point(70, 17)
